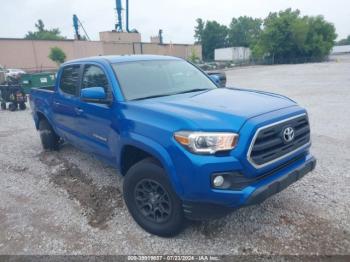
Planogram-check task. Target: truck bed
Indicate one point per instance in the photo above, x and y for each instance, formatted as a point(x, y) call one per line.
point(41, 98)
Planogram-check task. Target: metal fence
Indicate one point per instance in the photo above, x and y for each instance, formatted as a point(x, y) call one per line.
point(282, 60)
point(215, 65)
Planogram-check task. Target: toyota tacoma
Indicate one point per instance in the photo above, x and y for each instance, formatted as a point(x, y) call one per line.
point(187, 148)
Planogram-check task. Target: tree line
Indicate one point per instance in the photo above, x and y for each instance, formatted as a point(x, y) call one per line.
point(282, 36)
point(345, 41)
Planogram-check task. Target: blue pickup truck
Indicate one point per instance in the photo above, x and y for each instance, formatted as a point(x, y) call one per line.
point(187, 148)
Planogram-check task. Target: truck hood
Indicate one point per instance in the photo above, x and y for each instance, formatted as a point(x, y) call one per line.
point(218, 109)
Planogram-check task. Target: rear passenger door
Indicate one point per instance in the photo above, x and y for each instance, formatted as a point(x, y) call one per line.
point(97, 122)
point(65, 101)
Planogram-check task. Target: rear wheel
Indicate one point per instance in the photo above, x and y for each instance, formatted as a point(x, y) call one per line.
point(49, 139)
point(151, 200)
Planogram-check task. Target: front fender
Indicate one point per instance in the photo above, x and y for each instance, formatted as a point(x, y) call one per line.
point(158, 151)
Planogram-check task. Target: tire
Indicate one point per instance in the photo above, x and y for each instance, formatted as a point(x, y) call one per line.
point(147, 182)
point(3, 105)
point(13, 107)
point(22, 106)
point(49, 139)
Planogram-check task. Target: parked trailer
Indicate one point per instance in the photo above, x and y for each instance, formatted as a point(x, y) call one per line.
point(232, 54)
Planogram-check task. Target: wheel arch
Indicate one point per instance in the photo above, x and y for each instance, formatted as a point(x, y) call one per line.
point(38, 116)
point(137, 148)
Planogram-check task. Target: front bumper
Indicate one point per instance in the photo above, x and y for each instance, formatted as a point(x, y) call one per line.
point(259, 192)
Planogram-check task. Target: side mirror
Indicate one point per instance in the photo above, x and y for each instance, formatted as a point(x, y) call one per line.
point(94, 95)
point(218, 78)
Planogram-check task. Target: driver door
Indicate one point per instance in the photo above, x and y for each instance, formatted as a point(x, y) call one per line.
point(97, 121)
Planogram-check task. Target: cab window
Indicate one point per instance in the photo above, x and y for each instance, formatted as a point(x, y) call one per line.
point(69, 83)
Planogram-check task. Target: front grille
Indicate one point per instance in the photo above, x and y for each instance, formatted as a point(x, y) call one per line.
point(269, 145)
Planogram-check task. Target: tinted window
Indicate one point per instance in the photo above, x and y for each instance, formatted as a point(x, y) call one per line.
point(70, 79)
point(95, 77)
point(144, 79)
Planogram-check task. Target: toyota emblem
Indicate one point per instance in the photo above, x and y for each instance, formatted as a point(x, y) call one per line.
point(288, 134)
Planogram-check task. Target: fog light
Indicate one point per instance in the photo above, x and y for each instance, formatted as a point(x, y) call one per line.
point(218, 181)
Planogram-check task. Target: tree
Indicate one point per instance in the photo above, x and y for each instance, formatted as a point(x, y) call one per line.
point(57, 55)
point(44, 34)
point(287, 36)
point(244, 31)
point(345, 41)
point(40, 25)
point(211, 35)
point(193, 57)
point(320, 38)
point(198, 30)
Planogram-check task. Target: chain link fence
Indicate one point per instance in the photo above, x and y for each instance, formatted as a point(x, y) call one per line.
point(219, 65)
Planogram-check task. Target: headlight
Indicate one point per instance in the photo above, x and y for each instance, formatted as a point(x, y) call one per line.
point(206, 142)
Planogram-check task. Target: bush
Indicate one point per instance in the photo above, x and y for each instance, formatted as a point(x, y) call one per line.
point(57, 55)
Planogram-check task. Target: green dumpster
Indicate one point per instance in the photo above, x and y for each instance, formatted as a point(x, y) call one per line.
point(37, 80)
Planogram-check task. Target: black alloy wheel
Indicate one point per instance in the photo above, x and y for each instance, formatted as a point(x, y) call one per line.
point(153, 201)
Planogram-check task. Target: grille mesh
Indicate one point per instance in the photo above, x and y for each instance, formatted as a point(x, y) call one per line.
point(270, 145)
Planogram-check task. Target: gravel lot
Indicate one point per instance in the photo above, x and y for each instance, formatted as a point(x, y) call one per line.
point(70, 203)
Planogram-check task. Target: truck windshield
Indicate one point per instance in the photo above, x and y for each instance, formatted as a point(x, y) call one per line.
point(156, 78)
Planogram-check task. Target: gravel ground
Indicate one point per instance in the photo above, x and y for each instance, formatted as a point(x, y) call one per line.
point(70, 203)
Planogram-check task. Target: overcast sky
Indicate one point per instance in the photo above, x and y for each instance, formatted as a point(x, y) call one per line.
point(175, 17)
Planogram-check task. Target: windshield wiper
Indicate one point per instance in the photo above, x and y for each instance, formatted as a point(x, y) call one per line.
point(147, 97)
point(192, 90)
point(171, 94)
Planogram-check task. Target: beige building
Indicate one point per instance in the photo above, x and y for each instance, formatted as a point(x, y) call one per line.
point(32, 55)
point(120, 37)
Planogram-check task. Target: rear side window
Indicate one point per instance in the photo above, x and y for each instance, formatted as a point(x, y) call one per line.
point(70, 79)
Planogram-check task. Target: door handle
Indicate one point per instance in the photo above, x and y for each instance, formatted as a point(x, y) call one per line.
point(57, 103)
point(79, 111)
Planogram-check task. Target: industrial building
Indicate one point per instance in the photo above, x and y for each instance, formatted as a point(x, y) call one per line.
point(32, 55)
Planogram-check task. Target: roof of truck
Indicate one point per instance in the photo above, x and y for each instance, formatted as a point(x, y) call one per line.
point(124, 58)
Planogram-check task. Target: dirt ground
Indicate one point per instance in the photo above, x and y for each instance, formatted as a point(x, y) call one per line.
point(71, 203)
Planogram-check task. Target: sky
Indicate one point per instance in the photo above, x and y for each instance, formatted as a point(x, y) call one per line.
point(175, 17)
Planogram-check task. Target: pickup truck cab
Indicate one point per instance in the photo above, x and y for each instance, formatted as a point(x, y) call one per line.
point(187, 147)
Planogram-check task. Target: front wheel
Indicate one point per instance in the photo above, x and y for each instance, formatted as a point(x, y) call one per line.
point(151, 200)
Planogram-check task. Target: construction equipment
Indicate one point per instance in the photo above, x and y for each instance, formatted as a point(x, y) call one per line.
point(119, 8)
point(119, 24)
point(76, 24)
point(160, 35)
